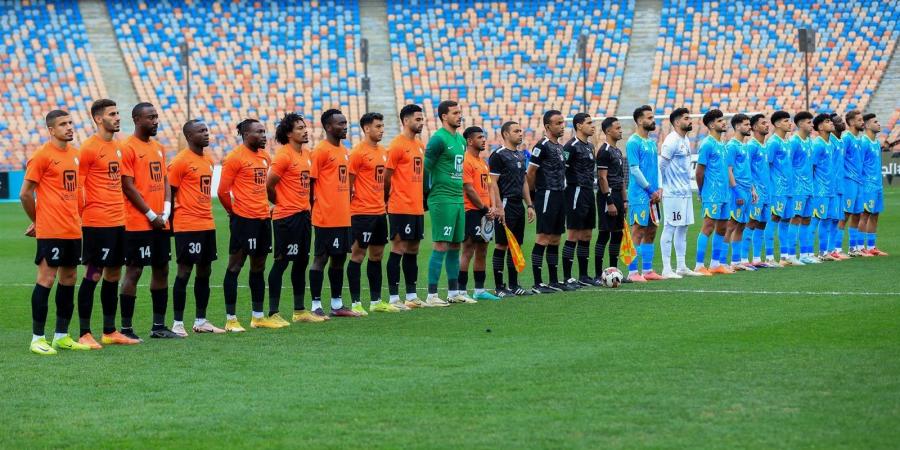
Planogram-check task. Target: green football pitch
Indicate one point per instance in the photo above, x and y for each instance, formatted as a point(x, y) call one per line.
point(791, 358)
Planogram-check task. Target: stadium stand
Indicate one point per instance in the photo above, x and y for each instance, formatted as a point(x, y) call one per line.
point(892, 126)
point(248, 60)
point(47, 64)
point(508, 60)
point(741, 56)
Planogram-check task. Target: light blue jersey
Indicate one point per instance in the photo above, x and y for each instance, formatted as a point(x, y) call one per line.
point(759, 169)
point(739, 161)
point(801, 163)
point(852, 158)
point(641, 153)
point(780, 166)
point(823, 173)
point(837, 162)
point(712, 155)
point(871, 163)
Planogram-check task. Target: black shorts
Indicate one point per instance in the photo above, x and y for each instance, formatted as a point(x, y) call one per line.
point(473, 225)
point(607, 222)
point(514, 215)
point(196, 247)
point(293, 236)
point(369, 230)
point(333, 240)
point(408, 226)
point(58, 252)
point(581, 208)
point(550, 207)
point(148, 248)
point(103, 246)
point(251, 236)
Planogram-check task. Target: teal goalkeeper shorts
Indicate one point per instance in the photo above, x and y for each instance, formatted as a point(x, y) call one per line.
point(448, 222)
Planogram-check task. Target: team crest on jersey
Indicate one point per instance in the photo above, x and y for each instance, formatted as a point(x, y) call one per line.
point(417, 166)
point(304, 180)
point(484, 181)
point(156, 171)
point(113, 171)
point(205, 184)
point(70, 181)
point(379, 174)
point(259, 176)
point(458, 163)
point(342, 174)
point(536, 152)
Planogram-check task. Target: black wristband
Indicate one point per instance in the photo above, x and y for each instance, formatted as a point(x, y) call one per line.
point(609, 200)
point(530, 206)
point(485, 210)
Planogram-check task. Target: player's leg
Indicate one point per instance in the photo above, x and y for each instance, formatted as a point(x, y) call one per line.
point(65, 306)
point(451, 264)
point(201, 300)
point(442, 223)
point(719, 249)
point(648, 251)
point(298, 273)
point(706, 231)
point(568, 255)
point(285, 249)
point(236, 261)
point(40, 306)
point(179, 295)
point(410, 266)
point(478, 272)
point(638, 219)
point(336, 282)
point(373, 274)
point(354, 273)
point(128, 298)
point(466, 255)
point(257, 281)
point(159, 295)
point(92, 275)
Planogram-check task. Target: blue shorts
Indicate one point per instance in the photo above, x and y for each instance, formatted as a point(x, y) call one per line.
point(852, 199)
point(715, 210)
point(760, 212)
point(819, 206)
point(639, 214)
point(802, 205)
point(835, 208)
point(873, 202)
point(782, 207)
point(739, 214)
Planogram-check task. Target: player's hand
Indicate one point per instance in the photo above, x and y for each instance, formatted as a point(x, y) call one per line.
point(158, 223)
point(500, 215)
point(490, 214)
point(530, 214)
point(30, 231)
point(611, 210)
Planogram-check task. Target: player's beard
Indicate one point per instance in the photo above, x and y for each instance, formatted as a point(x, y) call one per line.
point(688, 128)
point(650, 127)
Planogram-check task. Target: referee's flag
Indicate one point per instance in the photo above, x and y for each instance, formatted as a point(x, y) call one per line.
point(514, 250)
point(627, 252)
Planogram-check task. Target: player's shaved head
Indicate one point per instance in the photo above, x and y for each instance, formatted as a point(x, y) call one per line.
point(138, 109)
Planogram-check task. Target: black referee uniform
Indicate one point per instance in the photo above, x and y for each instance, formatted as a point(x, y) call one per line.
point(550, 185)
point(581, 208)
point(509, 168)
point(610, 159)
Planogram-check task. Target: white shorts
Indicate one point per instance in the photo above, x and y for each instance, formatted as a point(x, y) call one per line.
point(678, 211)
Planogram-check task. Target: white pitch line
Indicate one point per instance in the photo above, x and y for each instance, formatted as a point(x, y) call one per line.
point(364, 289)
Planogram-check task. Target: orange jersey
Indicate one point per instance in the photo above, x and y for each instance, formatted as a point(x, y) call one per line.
point(146, 163)
point(99, 171)
point(292, 191)
point(476, 173)
point(192, 175)
point(244, 175)
point(55, 171)
point(406, 157)
point(332, 186)
point(367, 165)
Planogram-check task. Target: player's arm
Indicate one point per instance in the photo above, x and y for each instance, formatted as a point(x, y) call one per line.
point(603, 161)
point(134, 196)
point(469, 190)
point(26, 196)
point(229, 171)
point(530, 176)
point(388, 174)
point(352, 186)
point(272, 180)
point(433, 152)
point(496, 199)
point(85, 161)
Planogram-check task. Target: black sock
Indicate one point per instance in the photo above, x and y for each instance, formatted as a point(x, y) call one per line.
point(65, 304)
point(276, 275)
point(584, 252)
point(498, 261)
point(462, 280)
point(109, 302)
point(537, 260)
point(393, 273)
point(316, 278)
point(40, 297)
point(480, 276)
point(201, 295)
point(513, 273)
point(85, 304)
point(354, 270)
point(298, 281)
point(568, 257)
point(553, 263)
point(410, 272)
point(126, 304)
point(599, 250)
point(336, 276)
point(615, 243)
point(373, 273)
point(160, 300)
point(179, 298)
point(229, 287)
point(257, 282)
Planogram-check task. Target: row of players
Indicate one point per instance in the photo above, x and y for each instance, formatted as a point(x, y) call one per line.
point(118, 196)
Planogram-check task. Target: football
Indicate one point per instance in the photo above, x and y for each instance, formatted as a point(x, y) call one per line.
point(612, 277)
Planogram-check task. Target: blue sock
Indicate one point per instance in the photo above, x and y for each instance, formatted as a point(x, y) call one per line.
point(793, 237)
point(806, 239)
point(633, 267)
point(769, 235)
point(702, 241)
point(718, 242)
point(784, 238)
point(736, 250)
point(759, 238)
point(824, 235)
point(854, 237)
point(814, 227)
point(647, 256)
point(435, 263)
point(837, 240)
point(870, 240)
point(747, 243)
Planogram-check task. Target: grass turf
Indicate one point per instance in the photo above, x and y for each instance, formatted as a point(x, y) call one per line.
point(799, 357)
